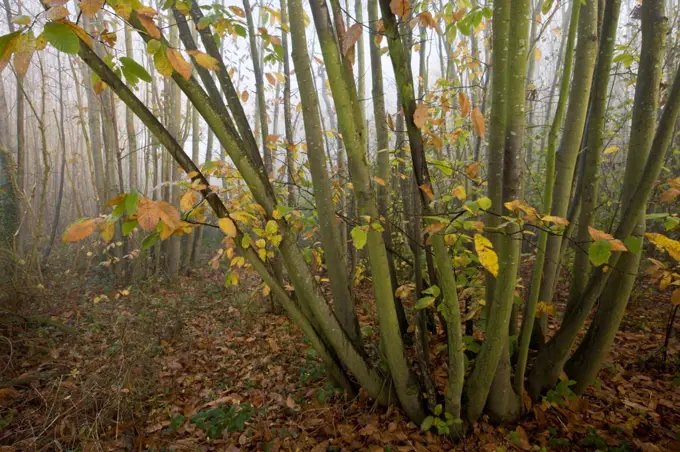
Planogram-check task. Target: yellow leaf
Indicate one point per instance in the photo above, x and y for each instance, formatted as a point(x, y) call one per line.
point(244, 96)
point(91, 7)
point(178, 63)
point(25, 47)
point(420, 115)
point(487, 256)
point(166, 231)
point(80, 230)
point(661, 241)
point(188, 200)
point(205, 60)
point(168, 214)
point(611, 150)
point(675, 297)
point(379, 181)
point(537, 53)
point(227, 226)
point(478, 122)
point(557, 220)
point(463, 104)
point(238, 11)
point(459, 192)
point(106, 231)
point(162, 63)
point(401, 8)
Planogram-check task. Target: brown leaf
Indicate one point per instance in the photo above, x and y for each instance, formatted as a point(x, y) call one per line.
point(58, 12)
point(420, 115)
point(270, 78)
point(244, 96)
point(472, 170)
point(596, 234)
point(178, 63)
point(351, 37)
point(478, 122)
point(25, 47)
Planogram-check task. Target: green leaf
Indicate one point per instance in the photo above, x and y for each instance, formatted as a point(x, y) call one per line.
point(484, 203)
point(359, 237)
point(634, 244)
point(242, 32)
point(432, 290)
point(131, 202)
point(599, 252)
point(438, 410)
point(547, 5)
point(118, 211)
point(22, 20)
point(62, 37)
point(671, 223)
point(151, 240)
point(424, 303)
point(443, 166)
point(133, 68)
point(245, 241)
point(129, 226)
point(427, 423)
point(655, 216)
point(153, 46)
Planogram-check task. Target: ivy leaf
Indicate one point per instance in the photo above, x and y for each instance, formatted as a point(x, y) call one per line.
point(132, 68)
point(599, 252)
point(359, 237)
point(62, 37)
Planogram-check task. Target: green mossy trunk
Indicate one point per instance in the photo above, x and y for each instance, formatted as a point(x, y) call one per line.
point(584, 365)
point(586, 52)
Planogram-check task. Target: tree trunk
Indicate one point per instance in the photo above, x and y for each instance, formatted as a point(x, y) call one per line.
point(584, 365)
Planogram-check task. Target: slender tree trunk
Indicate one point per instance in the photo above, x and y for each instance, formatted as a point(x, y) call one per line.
point(550, 360)
point(593, 150)
point(586, 52)
point(288, 121)
point(323, 191)
point(62, 171)
point(531, 302)
point(588, 358)
point(259, 90)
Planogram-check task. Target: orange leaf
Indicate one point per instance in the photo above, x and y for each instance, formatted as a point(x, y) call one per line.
point(428, 191)
point(463, 104)
point(401, 8)
point(178, 63)
point(478, 122)
point(147, 214)
point(169, 214)
point(428, 21)
point(270, 79)
point(80, 230)
point(244, 96)
point(146, 18)
point(472, 170)
point(675, 297)
point(596, 234)
point(667, 196)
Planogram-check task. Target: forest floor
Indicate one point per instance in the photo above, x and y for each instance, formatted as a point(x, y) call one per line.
point(194, 366)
